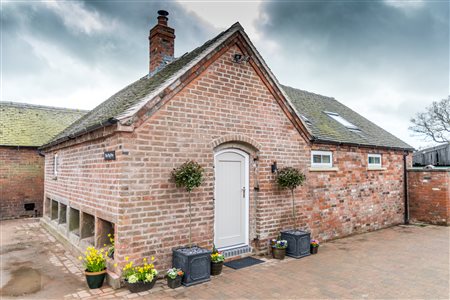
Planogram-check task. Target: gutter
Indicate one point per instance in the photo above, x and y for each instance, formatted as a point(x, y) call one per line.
point(319, 141)
point(405, 188)
point(109, 122)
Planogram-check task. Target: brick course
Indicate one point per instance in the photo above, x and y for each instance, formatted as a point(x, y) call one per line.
point(21, 181)
point(227, 105)
point(429, 195)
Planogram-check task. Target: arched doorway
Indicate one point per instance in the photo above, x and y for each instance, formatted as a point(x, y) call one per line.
point(231, 194)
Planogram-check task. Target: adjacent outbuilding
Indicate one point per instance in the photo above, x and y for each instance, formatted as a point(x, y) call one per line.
point(23, 128)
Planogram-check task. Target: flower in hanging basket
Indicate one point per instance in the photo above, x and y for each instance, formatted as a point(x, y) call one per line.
point(314, 243)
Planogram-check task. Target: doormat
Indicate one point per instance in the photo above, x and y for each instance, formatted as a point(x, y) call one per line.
point(243, 263)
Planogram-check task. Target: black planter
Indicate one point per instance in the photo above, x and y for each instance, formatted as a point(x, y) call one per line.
point(298, 243)
point(195, 262)
point(140, 286)
point(95, 279)
point(174, 283)
point(314, 249)
point(216, 268)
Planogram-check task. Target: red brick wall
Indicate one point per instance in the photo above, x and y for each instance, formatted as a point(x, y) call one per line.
point(429, 195)
point(21, 181)
point(226, 106)
point(85, 181)
point(230, 100)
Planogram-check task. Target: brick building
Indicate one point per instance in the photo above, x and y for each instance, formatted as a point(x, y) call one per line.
point(23, 128)
point(221, 106)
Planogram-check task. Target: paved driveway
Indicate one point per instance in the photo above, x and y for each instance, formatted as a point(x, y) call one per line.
point(399, 262)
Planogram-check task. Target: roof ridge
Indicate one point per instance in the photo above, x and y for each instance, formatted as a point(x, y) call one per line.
point(305, 91)
point(39, 106)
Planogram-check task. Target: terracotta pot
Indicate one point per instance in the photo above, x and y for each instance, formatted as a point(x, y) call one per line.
point(174, 283)
point(216, 268)
point(278, 253)
point(95, 279)
point(140, 286)
point(314, 249)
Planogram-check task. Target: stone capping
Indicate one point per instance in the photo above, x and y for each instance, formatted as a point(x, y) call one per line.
point(332, 169)
point(416, 169)
point(236, 138)
point(376, 169)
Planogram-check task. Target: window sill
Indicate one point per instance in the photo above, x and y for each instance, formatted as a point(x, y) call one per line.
point(376, 169)
point(317, 169)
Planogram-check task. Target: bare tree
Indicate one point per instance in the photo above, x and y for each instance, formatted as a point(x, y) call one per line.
point(434, 123)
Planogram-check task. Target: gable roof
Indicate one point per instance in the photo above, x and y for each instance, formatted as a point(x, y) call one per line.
point(314, 109)
point(127, 101)
point(30, 125)
point(122, 106)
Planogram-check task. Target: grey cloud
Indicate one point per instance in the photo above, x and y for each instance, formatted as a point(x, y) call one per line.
point(372, 56)
point(119, 52)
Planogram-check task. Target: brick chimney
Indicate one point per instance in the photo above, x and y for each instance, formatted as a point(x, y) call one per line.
point(161, 43)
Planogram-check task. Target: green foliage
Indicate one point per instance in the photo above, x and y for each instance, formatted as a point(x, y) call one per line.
point(189, 175)
point(290, 178)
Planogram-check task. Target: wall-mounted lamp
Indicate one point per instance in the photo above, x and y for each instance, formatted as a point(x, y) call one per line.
point(274, 167)
point(240, 58)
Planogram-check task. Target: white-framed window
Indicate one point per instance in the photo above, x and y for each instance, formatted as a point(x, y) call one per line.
point(321, 159)
point(55, 164)
point(374, 160)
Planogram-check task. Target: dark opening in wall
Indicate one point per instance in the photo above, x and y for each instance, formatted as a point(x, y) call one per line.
point(62, 214)
point(47, 206)
point(103, 229)
point(54, 212)
point(29, 206)
point(87, 225)
point(74, 221)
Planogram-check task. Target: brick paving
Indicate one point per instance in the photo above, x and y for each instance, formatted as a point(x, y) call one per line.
point(399, 262)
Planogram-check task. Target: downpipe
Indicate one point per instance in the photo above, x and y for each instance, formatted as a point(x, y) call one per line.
point(405, 188)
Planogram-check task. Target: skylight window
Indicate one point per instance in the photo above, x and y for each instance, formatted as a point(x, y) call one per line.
point(341, 120)
point(305, 119)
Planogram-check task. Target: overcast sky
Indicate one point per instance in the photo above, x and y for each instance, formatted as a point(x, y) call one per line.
point(385, 59)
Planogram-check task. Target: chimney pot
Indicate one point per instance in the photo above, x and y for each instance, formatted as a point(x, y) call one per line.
point(161, 43)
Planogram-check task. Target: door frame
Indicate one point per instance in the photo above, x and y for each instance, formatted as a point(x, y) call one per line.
point(247, 194)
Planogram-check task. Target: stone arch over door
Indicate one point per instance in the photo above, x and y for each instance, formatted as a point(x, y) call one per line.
point(237, 141)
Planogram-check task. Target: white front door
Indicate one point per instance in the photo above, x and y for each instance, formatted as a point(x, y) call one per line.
point(231, 198)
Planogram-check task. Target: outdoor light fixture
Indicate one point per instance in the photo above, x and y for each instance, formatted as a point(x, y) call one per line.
point(274, 167)
point(239, 58)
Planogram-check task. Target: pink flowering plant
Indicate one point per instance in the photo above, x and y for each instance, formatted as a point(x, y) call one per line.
point(314, 243)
